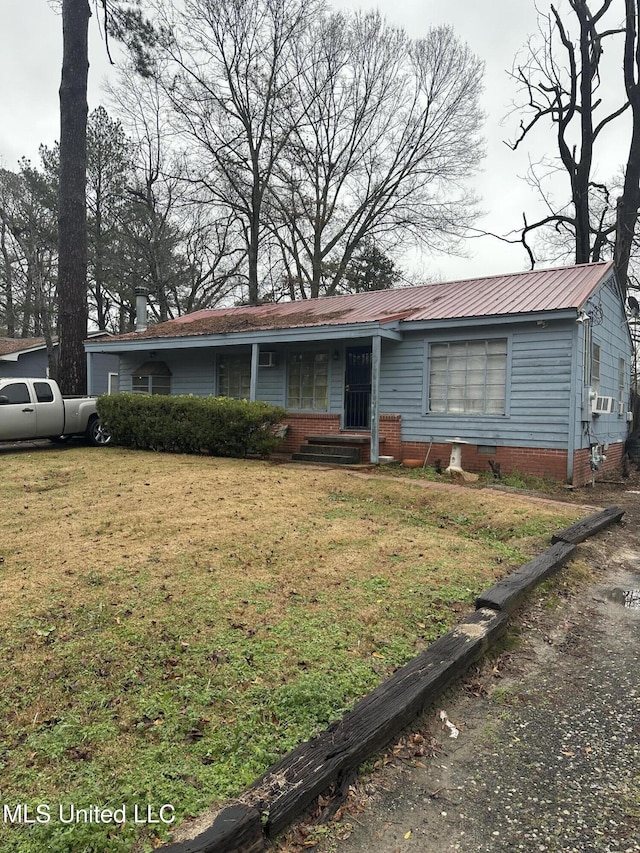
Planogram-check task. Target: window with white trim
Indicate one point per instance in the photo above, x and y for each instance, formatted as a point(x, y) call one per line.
point(234, 376)
point(595, 367)
point(468, 377)
point(586, 326)
point(622, 374)
point(308, 381)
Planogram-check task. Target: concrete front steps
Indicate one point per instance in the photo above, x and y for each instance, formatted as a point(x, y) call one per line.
point(328, 454)
point(333, 448)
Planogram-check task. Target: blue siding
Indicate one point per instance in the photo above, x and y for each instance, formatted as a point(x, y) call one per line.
point(35, 364)
point(192, 372)
point(609, 330)
point(32, 364)
point(538, 388)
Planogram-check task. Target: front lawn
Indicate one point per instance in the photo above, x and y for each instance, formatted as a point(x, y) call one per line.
point(173, 624)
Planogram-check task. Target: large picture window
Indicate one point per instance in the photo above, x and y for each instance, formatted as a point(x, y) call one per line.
point(234, 377)
point(468, 377)
point(308, 385)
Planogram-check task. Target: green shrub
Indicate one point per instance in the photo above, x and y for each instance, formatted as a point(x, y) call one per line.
point(187, 424)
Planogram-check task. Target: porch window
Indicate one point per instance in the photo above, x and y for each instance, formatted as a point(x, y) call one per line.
point(234, 376)
point(308, 384)
point(152, 377)
point(468, 377)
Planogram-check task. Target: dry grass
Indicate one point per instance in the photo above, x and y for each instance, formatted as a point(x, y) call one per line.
point(172, 624)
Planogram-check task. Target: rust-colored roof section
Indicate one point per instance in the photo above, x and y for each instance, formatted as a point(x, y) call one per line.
point(11, 345)
point(516, 293)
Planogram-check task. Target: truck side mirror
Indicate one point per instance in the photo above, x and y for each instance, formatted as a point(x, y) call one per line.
point(4, 400)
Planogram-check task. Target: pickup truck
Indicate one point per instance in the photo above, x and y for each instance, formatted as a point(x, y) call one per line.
point(35, 408)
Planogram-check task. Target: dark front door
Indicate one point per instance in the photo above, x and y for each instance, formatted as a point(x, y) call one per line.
point(357, 391)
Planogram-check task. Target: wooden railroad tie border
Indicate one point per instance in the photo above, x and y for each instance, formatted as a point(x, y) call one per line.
point(288, 787)
point(508, 592)
point(581, 530)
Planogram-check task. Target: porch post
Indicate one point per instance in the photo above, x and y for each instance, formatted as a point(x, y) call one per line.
point(255, 358)
point(89, 357)
point(376, 354)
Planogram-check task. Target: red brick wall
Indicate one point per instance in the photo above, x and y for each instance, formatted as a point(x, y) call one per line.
point(391, 431)
point(541, 462)
point(306, 424)
point(530, 460)
point(582, 472)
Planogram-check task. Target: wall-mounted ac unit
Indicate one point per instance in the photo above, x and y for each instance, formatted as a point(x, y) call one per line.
point(603, 405)
point(267, 359)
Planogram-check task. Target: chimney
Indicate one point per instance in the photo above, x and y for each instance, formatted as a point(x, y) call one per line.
point(141, 308)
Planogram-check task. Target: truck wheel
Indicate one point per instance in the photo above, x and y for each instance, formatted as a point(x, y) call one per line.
point(97, 435)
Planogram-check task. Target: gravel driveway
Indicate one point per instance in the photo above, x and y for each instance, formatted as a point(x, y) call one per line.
point(548, 752)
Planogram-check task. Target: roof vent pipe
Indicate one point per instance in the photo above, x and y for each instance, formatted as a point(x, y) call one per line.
point(141, 308)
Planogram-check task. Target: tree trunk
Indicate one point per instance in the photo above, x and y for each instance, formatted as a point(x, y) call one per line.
point(252, 260)
point(72, 208)
point(629, 203)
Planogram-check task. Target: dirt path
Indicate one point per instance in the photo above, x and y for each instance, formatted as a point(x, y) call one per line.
point(548, 752)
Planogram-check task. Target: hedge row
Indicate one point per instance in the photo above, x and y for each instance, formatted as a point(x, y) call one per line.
point(187, 424)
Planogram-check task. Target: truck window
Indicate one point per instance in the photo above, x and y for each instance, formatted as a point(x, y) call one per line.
point(16, 393)
point(44, 392)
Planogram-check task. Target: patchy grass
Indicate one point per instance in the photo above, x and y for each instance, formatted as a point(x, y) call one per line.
point(514, 480)
point(173, 624)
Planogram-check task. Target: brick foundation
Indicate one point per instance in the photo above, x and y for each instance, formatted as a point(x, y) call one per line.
point(529, 460)
point(582, 473)
point(540, 462)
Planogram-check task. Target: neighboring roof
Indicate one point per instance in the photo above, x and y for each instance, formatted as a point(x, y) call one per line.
point(557, 289)
point(17, 345)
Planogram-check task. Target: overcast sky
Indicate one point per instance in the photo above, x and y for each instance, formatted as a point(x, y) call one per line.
point(30, 62)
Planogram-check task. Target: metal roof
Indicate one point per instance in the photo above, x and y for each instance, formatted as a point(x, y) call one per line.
point(533, 291)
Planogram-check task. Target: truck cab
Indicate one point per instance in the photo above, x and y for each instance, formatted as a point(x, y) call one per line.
point(35, 408)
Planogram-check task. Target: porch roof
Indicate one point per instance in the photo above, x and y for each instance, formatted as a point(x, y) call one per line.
point(530, 292)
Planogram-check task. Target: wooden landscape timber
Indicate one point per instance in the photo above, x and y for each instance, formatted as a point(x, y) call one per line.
point(236, 829)
point(288, 787)
point(581, 530)
point(507, 593)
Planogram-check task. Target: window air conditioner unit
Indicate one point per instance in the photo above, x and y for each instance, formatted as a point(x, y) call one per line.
point(267, 359)
point(603, 405)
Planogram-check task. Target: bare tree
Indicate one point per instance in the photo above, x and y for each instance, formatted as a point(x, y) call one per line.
point(562, 80)
point(28, 255)
point(388, 130)
point(187, 249)
point(229, 78)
